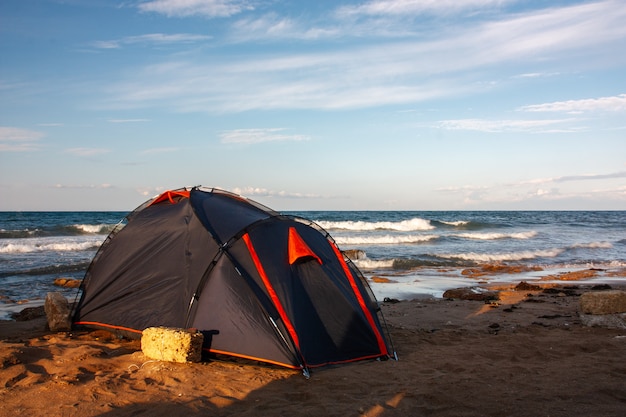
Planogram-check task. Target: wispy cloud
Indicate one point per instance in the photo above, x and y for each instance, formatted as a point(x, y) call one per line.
point(253, 136)
point(128, 120)
point(537, 75)
point(539, 189)
point(15, 139)
point(463, 188)
point(568, 178)
point(274, 26)
point(404, 71)
point(263, 192)
point(609, 104)
point(501, 126)
point(86, 152)
point(205, 8)
point(414, 7)
point(159, 150)
point(151, 191)
point(150, 39)
point(88, 186)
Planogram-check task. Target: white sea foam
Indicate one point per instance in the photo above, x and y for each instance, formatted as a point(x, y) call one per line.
point(456, 223)
point(593, 245)
point(46, 245)
point(495, 236)
point(383, 240)
point(410, 225)
point(368, 264)
point(93, 228)
point(513, 256)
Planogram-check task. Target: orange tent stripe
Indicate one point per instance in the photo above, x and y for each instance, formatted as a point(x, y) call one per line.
point(382, 346)
point(109, 326)
point(169, 196)
point(298, 247)
point(287, 365)
point(271, 291)
point(254, 358)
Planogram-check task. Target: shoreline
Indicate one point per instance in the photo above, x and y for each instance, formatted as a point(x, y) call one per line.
point(433, 282)
point(529, 354)
point(430, 282)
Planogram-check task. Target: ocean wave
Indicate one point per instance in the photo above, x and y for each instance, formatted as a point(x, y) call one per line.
point(383, 240)
point(411, 225)
point(93, 229)
point(67, 230)
point(53, 246)
point(369, 264)
point(407, 264)
point(495, 236)
point(496, 257)
point(593, 245)
point(56, 269)
point(464, 224)
point(18, 234)
point(455, 223)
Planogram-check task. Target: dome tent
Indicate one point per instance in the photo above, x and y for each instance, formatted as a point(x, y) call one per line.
point(258, 284)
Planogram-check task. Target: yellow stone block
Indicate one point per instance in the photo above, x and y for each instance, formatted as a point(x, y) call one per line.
point(603, 302)
point(172, 344)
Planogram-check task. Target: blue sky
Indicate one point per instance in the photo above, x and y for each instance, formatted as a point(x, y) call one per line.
point(325, 105)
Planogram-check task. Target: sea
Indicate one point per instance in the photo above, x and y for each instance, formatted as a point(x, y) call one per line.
point(416, 252)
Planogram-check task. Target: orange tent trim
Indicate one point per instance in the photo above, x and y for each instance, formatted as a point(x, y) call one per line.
point(169, 196)
point(298, 248)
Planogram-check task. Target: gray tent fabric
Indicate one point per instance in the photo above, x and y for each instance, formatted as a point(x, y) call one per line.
point(259, 284)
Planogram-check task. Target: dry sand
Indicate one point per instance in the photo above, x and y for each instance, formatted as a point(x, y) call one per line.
point(525, 356)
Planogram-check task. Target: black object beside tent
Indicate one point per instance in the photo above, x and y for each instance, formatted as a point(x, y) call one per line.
point(259, 284)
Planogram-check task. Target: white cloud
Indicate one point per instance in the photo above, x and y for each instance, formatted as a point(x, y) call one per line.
point(500, 126)
point(612, 175)
point(346, 76)
point(205, 8)
point(128, 120)
point(88, 186)
point(253, 136)
point(263, 192)
point(535, 190)
point(568, 178)
point(537, 75)
point(151, 192)
point(413, 7)
point(151, 39)
point(159, 150)
point(609, 104)
point(15, 139)
point(464, 188)
point(87, 152)
point(273, 26)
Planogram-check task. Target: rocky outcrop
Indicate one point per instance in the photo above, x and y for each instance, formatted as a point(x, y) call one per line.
point(67, 282)
point(57, 312)
point(471, 293)
point(381, 280)
point(355, 254)
point(524, 286)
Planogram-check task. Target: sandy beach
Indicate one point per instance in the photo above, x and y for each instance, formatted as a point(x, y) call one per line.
point(528, 354)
